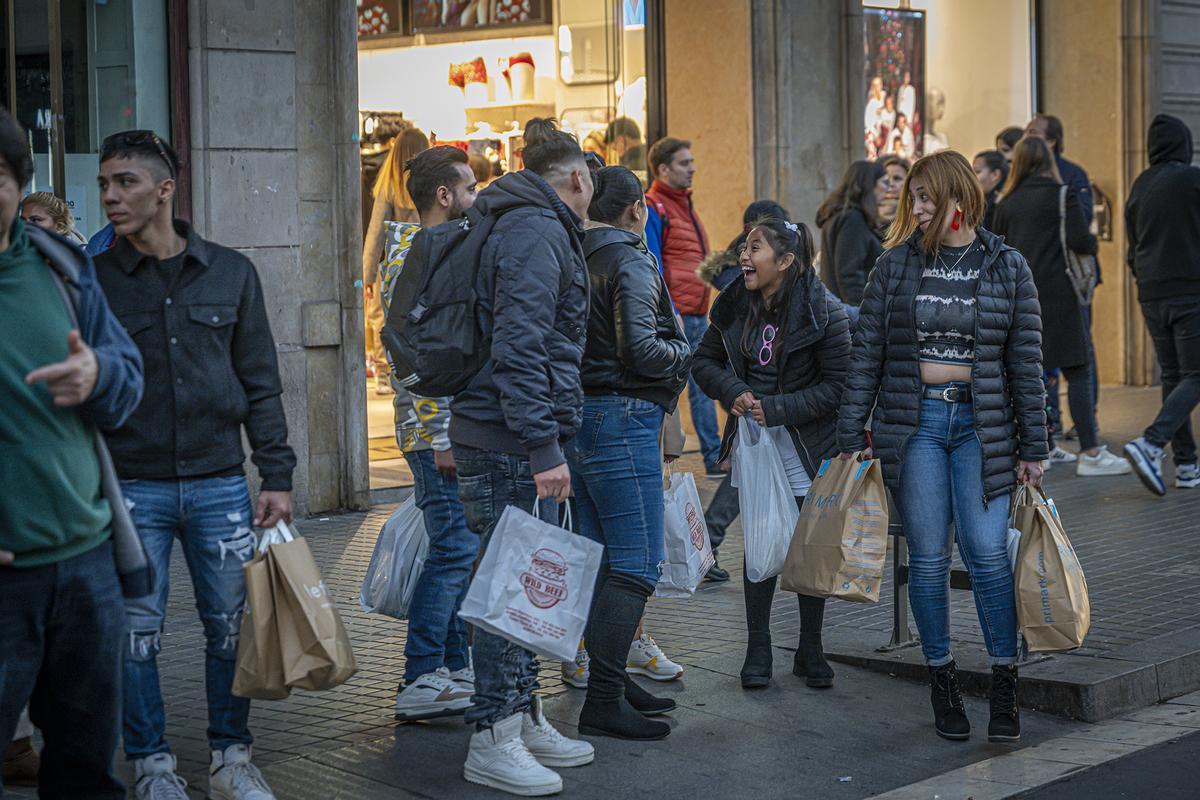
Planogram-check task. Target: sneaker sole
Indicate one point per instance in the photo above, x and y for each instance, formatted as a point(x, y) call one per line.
point(564, 761)
point(1004, 739)
point(1141, 468)
point(954, 737)
point(588, 730)
point(1091, 472)
point(652, 675)
point(431, 712)
point(575, 684)
point(480, 779)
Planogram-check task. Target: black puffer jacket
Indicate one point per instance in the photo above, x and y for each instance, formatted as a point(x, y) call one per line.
point(849, 248)
point(1006, 378)
point(634, 345)
point(812, 369)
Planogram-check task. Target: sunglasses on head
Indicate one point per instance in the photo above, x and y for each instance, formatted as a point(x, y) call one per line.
point(130, 139)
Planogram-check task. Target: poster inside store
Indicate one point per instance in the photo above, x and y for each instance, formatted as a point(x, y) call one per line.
point(894, 117)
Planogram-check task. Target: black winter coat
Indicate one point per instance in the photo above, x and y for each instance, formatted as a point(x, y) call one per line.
point(1006, 378)
point(849, 249)
point(634, 344)
point(812, 367)
point(532, 311)
point(1028, 220)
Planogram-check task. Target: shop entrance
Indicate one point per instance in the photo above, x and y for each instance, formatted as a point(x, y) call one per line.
point(470, 74)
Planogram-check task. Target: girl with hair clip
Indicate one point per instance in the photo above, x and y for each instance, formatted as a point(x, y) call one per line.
point(776, 350)
point(947, 365)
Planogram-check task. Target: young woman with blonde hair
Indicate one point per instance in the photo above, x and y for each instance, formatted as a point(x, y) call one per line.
point(47, 210)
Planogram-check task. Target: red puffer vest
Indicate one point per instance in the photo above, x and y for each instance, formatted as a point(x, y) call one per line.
point(684, 246)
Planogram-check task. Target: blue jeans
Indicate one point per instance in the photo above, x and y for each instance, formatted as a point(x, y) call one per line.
point(505, 673)
point(211, 517)
point(61, 632)
point(616, 472)
point(944, 453)
point(436, 636)
point(704, 414)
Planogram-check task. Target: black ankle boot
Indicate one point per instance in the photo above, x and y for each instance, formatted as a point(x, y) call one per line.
point(949, 714)
point(756, 669)
point(615, 617)
point(646, 704)
point(1005, 724)
point(810, 662)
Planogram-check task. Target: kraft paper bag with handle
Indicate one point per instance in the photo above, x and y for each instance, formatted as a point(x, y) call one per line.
point(316, 650)
point(1053, 609)
point(259, 673)
point(534, 584)
point(688, 550)
point(767, 504)
point(840, 546)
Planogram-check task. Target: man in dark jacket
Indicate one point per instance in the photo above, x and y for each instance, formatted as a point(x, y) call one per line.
point(61, 623)
point(509, 425)
point(1162, 224)
point(195, 310)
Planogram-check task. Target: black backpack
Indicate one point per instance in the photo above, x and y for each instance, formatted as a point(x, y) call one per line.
point(432, 334)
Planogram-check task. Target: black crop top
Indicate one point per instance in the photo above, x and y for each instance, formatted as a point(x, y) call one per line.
point(946, 305)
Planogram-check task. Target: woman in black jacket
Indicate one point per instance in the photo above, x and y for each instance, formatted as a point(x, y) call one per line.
point(947, 365)
point(849, 223)
point(635, 364)
point(1028, 219)
point(776, 349)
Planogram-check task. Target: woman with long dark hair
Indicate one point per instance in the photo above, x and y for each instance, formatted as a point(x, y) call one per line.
point(849, 223)
point(946, 365)
point(1028, 217)
point(776, 350)
point(635, 365)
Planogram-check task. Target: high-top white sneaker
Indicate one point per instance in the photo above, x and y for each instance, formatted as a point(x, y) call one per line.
point(547, 745)
point(155, 779)
point(647, 658)
point(231, 776)
point(498, 758)
point(575, 673)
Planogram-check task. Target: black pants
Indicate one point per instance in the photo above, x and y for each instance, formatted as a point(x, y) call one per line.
point(722, 511)
point(61, 631)
point(1174, 325)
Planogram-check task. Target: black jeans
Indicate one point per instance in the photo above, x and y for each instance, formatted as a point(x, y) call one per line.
point(1081, 400)
point(61, 631)
point(1174, 325)
point(722, 511)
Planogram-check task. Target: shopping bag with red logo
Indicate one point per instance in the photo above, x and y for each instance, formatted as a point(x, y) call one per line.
point(1053, 609)
point(534, 584)
point(688, 550)
point(840, 545)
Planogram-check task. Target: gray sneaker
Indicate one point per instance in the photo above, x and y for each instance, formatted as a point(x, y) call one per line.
point(155, 779)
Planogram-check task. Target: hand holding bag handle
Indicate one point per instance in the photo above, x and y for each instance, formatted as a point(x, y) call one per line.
point(564, 518)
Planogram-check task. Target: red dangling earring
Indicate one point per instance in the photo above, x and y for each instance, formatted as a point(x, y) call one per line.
point(956, 220)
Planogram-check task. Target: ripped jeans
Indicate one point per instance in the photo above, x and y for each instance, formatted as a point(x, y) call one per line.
point(211, 517)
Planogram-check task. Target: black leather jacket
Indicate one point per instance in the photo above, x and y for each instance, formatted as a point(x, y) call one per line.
point(634, 345)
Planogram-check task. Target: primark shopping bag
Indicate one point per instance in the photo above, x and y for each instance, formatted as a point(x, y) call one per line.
point(259, 671)
point(840, 546)
point(534, 584)
point(1053, 609)
point(396, 564)
point(688, 552)
point(767, 504)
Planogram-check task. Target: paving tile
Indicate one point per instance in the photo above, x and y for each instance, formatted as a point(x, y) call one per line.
point(1126, 732)
point(1084, 752)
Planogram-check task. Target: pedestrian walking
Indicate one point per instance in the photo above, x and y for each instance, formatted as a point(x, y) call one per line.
point(634, 366)
point(392, 203)
point(1162, 224)
point(1006, 141)
point(509, 427)
point(946, 364)
point(438, 678)
point(777, 350)
point(197, 314)
point(896, 169)
point(676, 237)
point(849, 224)
point(61, 623)
point(51, 212)
point(1028, 218)
point(991, 168)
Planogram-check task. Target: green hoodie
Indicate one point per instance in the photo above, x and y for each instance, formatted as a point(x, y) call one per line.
point(51, 506)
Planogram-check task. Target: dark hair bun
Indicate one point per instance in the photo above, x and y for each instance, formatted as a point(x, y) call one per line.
point(547, 147)
point(540, 130)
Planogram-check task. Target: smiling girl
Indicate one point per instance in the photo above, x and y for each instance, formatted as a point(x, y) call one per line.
point(776, 350)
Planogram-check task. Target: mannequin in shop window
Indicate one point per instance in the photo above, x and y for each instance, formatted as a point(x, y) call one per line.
point(392, 204)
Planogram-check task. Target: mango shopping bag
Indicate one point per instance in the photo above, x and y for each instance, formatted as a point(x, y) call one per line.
point(768, 506)
point(1053, 609)
point(687, 548)
point(840, 546)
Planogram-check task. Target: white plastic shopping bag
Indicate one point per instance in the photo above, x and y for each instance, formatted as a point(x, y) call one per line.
point(396, 564)
point(769, 512)
point(534, 585)
point(688, 550)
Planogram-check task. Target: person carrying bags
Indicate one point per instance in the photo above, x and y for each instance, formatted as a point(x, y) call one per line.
point(947, 354)
point(776, 351)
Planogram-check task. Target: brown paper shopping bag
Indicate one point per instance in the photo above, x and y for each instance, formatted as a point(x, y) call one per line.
point(840, 545)
point(259, 673)
point(1053, 609)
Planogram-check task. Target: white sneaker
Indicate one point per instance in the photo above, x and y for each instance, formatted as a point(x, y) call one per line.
point(434, 694)
point(1103, 463)
point(646, 658)
point(1187, 476)
point(575, 673)
point(498, 758)
point(1060, 456)
point(231, 776)
point(464, 678)
point(155, 779)
point(547, 745)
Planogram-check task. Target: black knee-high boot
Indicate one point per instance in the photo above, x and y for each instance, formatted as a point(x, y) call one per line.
point(756, 669)
point(615, 618)
point(810, 662)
